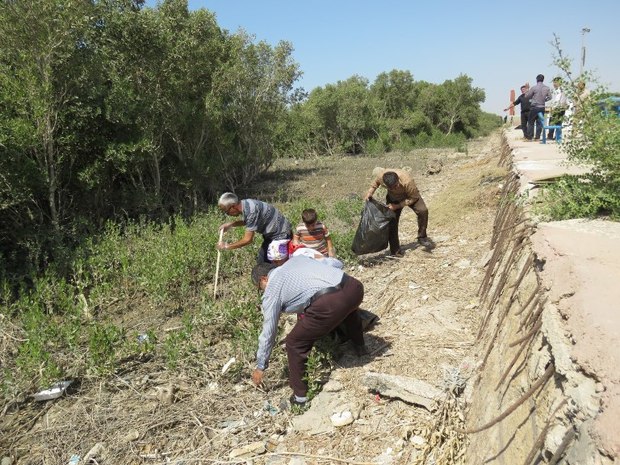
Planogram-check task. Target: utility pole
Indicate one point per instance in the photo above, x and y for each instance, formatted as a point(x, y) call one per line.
point(584, 31)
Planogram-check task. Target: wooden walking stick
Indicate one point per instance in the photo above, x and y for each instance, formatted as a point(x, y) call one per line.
point(217, 265)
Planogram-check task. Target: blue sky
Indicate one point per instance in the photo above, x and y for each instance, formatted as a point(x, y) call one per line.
point(499, 44)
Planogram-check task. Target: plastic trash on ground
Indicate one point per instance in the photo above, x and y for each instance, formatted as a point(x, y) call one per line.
point(55, 391)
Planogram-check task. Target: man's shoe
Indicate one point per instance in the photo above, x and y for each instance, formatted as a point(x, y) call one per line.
point(360, 351)
point(296, 402)
point(398, 254)
point(424, 242)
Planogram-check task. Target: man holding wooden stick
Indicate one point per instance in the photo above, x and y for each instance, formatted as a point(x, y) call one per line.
point(259, 217)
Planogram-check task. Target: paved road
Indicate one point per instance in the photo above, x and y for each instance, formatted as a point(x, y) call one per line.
point(582, 271)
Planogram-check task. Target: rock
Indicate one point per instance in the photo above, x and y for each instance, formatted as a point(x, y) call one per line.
point(413, 391)
point(340, 419)
point(6, 461)
point(463, 263)
point(255, 448)
point(131, 436)
point(332, 386)
point(96, 454)
point(417, 441)
point(166, 394)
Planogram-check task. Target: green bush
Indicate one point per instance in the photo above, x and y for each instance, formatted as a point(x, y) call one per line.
point(593, 142)
point(575, 197)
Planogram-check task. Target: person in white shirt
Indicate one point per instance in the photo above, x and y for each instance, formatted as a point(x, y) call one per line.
point(557, 106)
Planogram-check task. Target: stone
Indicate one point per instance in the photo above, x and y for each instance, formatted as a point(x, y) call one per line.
point(410, 390)
point(340, 419)
point(332, 386)
point(96, 454)
point(131, 435)
point(255, 448)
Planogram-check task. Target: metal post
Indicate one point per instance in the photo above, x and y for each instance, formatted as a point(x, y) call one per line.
point(583, 49)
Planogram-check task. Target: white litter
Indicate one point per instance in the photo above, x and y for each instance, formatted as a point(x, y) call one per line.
point(342, 418)
point(53, 392)
point(228, 364)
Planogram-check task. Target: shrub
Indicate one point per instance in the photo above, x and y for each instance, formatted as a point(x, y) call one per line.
point(593, 141)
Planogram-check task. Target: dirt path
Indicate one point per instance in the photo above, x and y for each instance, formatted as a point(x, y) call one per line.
point(428, 314)
point(429, 317)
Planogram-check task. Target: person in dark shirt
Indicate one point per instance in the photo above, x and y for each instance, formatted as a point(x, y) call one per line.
point(538, 96)
point(525, 109)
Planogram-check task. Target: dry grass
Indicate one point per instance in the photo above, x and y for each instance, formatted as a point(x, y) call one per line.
point(149, 414)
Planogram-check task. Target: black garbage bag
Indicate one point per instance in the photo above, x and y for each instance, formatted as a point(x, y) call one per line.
point(369, 320)
point(372, 232)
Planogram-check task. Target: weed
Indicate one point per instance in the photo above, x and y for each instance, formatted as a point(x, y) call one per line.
point(103, 343)
point(320, 360)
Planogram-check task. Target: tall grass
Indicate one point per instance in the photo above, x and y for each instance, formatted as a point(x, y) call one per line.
point(70, 324)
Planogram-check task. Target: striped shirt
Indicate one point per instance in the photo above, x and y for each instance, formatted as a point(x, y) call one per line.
point(265, 219)
point(289, 289)
point(315, 238)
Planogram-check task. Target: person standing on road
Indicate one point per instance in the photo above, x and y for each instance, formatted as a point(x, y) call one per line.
point(401, 192)
point(525, 109)
point(259, 217)
point(537, 95)
point(557, 106)
point(325, 295)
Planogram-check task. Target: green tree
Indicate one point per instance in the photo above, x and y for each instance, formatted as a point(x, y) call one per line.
point(250, 95)
point(454, 105)
point(394, 94)
point(42, 56)
point(354, 117)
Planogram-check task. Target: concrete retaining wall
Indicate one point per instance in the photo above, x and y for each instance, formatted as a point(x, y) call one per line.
point(531, 403)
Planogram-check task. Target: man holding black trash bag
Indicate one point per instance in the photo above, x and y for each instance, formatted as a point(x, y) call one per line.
point(401, 192)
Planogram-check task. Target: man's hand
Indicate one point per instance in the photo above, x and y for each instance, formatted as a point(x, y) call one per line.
point(394, 206)
point(257, 376)
point(225, 227)
point(222, 245)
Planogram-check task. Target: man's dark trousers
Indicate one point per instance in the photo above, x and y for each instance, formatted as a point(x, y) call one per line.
point(524, 122)
point(533, 120)
point(421, 211)
point(320, 318)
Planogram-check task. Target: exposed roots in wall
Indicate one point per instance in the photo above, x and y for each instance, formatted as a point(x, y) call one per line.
point(517, 361)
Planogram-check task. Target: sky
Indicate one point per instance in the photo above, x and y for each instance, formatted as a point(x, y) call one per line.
point(499, 44)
